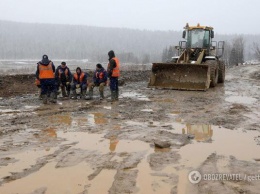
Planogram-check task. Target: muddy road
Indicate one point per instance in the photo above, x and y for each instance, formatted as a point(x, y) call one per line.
point(95, 147)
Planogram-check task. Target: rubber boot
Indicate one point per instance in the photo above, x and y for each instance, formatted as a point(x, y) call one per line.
point(116, 95)
point(113, 96)
point(74, 94)
point(44, 98)
point(90, 95)
point(40, 96)
point(101, 93)
point(83, 96)
point(53, 97)
point(63, 92)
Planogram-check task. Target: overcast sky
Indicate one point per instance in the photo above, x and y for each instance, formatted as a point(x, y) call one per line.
point(226, 16)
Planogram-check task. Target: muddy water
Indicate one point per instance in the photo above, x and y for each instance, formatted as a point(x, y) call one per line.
point(207, 139)
point(74, 179)
point(134, 95)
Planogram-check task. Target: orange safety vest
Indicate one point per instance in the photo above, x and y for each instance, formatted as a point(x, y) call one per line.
point(66, 72)
point(99, 75)
point(115, 71)
point(46, 72)
point(80, 78)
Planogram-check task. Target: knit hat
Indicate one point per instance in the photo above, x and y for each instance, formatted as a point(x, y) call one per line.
point(99, 65)
point(45, 60)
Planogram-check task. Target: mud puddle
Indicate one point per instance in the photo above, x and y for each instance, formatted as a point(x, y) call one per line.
point(73, 175)
point(72, 172)
point(241, 99)
point(134, 95)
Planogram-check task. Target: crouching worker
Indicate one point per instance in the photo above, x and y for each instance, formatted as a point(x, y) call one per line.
point(99, 80)
point(45, 73)
point(79, 85)
point(63, 77)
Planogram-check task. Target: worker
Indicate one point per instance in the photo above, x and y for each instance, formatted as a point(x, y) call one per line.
point(45, 73)
point(63, 78)
point(79, 83)
point(113, 74)
point(99, 80)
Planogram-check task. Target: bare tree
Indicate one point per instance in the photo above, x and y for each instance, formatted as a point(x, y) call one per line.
point(237, 51)
point(256, 50)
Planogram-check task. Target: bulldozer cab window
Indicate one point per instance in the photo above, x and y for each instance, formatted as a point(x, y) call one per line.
point(198, 38)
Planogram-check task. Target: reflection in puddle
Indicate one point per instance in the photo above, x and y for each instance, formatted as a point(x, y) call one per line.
point(61, 119)
point(241, 99)
point(113, 143)
point(201, 132)
point(97, 142)
point(50, 132)
point(97, 118)
point(224, 142)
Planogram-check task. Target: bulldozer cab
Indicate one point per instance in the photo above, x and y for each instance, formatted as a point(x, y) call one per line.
point(198, 38)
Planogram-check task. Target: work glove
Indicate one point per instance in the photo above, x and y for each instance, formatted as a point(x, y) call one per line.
point(77, 86)
point(67, 83)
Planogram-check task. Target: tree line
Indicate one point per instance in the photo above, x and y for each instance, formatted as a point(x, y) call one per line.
point(31, 41)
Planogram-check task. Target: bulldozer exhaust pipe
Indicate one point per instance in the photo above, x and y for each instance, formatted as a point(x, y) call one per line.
point(180, 76)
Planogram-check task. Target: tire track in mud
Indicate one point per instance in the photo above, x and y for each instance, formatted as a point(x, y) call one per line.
point(39, 164)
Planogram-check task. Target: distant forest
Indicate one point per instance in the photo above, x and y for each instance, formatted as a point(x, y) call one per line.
point(31, 41)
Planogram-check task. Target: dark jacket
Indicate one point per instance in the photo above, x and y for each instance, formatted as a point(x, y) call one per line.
point(60, 75)
point(100, 76)
point(77, 80)
point(112, 63)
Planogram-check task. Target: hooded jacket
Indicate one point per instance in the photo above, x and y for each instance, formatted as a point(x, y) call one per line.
point(80, 78)
point(112, 64)
point(100, 76)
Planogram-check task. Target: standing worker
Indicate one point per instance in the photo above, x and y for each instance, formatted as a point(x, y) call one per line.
point(113, 74)
point(45, 73)
point(79, 83)
point(63, 77)
point(99, 80)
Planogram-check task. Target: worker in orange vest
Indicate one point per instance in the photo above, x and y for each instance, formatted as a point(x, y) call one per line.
point(45, 73)
point(113, 70)
point(99, 80)
point(63, 78)
point(79, 84)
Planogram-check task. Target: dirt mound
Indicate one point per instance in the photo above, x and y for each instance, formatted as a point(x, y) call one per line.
point(13, 85)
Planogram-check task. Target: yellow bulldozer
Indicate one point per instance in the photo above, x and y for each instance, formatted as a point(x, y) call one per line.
point(197, 66)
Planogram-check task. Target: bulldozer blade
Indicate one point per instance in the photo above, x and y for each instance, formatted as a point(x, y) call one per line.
point(180, 76)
